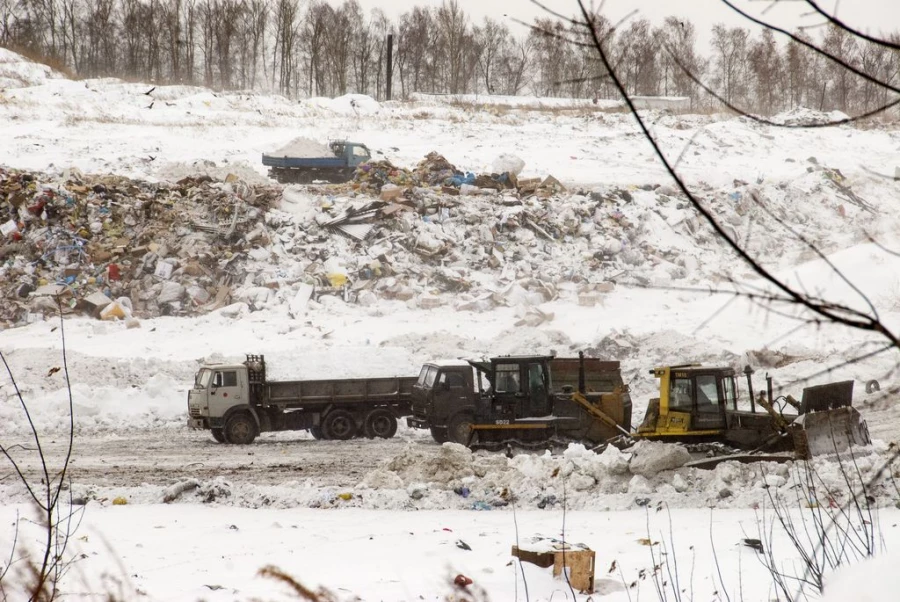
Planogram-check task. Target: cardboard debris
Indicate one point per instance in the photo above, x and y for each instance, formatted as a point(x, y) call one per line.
point(97, 301)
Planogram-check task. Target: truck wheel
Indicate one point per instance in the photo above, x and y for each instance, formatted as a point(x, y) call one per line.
point(380, 423)
point(218, 435)
point(240, 429)
point(340, 425)
point(316, 432)
point(440, 435)
point(460, 428)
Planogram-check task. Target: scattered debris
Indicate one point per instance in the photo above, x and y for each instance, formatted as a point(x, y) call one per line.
point(173, 492)
point(575, 560)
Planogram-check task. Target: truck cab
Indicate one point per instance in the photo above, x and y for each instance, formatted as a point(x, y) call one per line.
point(217, 388)
point(353, 153)
point(444, 389)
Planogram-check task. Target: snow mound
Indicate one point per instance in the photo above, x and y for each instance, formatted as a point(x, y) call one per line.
point(172, 171)
point(16, 71)
point(454, 461)
point(868, 581)
point(805, 116)
point(650, 458)
point(108, 393)
point(349, 104)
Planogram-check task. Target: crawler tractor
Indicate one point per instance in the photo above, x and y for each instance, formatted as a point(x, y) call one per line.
point(698, 403)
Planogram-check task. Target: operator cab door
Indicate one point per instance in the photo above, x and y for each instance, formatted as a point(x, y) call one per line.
point(709, 397)
point(538, 391)
point(225, 388)
point(508, 394)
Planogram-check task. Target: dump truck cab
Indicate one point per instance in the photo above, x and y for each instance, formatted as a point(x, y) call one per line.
point(445, 388)
point(353, 153)
point(217, 389)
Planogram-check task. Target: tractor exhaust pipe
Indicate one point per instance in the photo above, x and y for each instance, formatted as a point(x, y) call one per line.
point(581, 372)
point(769, 390)
point(748, 371)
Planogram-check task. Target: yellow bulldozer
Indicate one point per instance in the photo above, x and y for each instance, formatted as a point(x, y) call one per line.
point(702, 404)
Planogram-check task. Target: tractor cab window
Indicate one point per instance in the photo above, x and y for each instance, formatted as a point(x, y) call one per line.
point(681, 394)
point(730, 396)
point(226, 378)
point(707, 393)
point(507, 378)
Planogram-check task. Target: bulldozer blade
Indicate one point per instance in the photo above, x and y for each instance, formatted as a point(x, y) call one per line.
point(829, 432)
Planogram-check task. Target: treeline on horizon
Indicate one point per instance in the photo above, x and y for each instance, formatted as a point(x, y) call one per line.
point(303, 48)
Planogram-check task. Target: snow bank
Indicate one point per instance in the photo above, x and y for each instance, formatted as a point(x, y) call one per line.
point(519, 102)
point(349, 104)
point(806, 116)
point(18, 72)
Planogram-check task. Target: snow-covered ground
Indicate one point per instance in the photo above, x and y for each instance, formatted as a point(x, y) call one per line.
point(394, 536)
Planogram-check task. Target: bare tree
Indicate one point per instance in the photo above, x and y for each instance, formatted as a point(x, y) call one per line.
point(284, 49)
point(637, 62)
point(317, 21)
point(841, 44)
point(456, 43)
point(413, 64)
point(767, 73)
point(730, 52)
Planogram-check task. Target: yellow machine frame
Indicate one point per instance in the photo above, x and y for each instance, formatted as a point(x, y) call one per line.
point(669, 423)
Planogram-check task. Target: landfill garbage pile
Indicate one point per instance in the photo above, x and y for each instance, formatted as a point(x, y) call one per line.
point(436, 171)
point(118, 248)
point(431, 239)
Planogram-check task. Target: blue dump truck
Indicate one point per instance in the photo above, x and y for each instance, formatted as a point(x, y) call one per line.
point(305, 161)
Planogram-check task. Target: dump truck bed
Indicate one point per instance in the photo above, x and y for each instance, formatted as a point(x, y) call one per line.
point(297, 162)
point(310, 393)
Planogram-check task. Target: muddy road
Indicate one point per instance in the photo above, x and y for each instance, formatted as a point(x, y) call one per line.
point(161, 457)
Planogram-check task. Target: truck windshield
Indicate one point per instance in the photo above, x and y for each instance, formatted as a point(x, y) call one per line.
point(202, 379)
point(427, 376)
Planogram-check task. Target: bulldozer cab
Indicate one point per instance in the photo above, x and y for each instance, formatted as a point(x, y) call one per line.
point(514, 387)
point(692, 400)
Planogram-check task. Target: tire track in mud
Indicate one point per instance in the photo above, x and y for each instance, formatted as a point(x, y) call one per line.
point(164, 457)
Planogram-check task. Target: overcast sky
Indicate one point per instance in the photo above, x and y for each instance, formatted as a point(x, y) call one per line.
point(872, 15)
